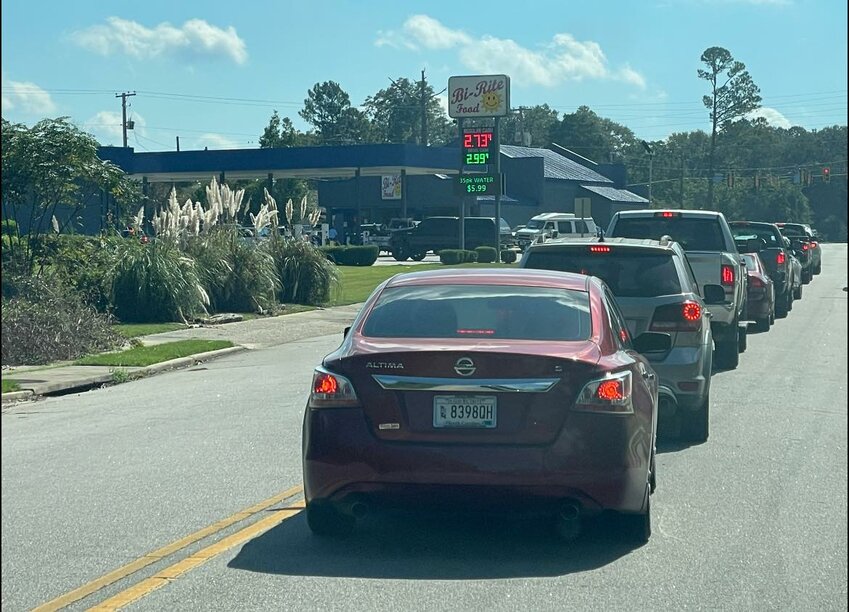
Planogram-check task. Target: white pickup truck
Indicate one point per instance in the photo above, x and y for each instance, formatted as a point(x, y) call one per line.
point(714, 260)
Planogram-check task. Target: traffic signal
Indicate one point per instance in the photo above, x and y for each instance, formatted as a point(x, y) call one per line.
point(826, 175)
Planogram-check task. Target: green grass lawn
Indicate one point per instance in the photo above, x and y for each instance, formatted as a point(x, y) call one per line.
point(9, 385)
point(357, 282)
point(148, 355)
point(133, 330)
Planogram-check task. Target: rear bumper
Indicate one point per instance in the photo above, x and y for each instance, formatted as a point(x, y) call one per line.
point(686, 373)
point(342, 458)
point(758, 308)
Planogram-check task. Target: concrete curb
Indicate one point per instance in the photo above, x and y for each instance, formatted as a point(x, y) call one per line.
point(84, 382)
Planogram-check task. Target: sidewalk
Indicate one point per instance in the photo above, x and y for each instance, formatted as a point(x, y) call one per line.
point(35, 381)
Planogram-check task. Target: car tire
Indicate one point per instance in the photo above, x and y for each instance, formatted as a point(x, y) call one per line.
point(637, 527)
point(400, 253)
point(807, 275)
point(782, 306)
point(418, 256)
point(790, 300)
point(727, 350)
point(326, 521)
point(653, 472)
point(762, 324)
point(742, 338)
point(818, 269)
point(797, 293)
point(696, 424)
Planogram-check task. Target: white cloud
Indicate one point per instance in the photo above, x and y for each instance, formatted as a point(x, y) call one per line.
point(216, 141)
point(196, 36)
point(773, 117)
point(563, 59)
point(106, 127)
point(27, 98)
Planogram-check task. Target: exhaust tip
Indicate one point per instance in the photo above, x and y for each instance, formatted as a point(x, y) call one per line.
point(570, 511)
point(359, 509)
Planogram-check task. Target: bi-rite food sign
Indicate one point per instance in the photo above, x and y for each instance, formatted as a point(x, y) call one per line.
point(478, 96)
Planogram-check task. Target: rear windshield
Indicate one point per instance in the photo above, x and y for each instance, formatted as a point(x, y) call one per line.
point(751, 261)
point(793, 230)
point(628, 273)
point(693, 234)
point(480, 311)
point(745, 232)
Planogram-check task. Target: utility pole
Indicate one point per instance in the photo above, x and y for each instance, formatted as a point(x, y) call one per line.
point(681, 185)
point(178, 143)
point(124, 97)
point(522, 142)
point(424, 110)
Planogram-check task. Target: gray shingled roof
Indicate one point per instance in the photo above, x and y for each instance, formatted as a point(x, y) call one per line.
point(555, 165)
point(616, 195)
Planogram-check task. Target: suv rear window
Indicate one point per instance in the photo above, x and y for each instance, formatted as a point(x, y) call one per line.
point(693, 234)
point(480, 311)
point(628, 272)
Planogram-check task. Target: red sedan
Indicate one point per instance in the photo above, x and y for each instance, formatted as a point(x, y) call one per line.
point(513, 388)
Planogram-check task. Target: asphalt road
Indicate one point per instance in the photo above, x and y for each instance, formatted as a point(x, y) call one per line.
point(754, 519)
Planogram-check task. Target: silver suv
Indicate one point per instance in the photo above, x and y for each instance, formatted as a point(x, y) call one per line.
point(654, 285)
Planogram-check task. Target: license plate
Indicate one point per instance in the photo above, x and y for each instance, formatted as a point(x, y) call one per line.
point(464, 411)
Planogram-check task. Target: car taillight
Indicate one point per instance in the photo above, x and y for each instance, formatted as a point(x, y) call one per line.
point(805, 247)
point(331, 390)
point(611, 395)
point(599, 248)
point(780, 258)
point(665, 213)
point(727, 275)
point(686, 316)
point(813, 245)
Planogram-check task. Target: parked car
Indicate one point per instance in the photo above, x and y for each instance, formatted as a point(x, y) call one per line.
point(376, 234)
point(401, 223)
point(811, 260)
point(714, 258)
point(775, 254)
point(437, 233)
point(517, 389)
point(656, 290)
point(554, 224)
point(760, 291)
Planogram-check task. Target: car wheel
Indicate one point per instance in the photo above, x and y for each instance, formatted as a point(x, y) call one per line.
point(742, 338)
point(790, 298)
point(653, 474)
point(696, 424)
point(400, 253)
point(797, 293)
point(763, 323)
point(727, 350)
point(418, 256)
point(807, 275)
point(782, 306)
point(818, 269)
point(637, 527)
point(326, 521)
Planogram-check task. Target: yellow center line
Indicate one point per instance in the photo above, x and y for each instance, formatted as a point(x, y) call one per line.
point(169, 574)
point(160, 553)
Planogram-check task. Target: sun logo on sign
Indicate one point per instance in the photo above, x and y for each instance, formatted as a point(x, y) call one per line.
point(491, 101)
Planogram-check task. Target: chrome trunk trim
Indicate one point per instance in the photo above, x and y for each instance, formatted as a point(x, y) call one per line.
point(475, 385)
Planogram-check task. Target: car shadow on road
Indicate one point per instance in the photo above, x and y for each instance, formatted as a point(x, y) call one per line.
point(420, 546)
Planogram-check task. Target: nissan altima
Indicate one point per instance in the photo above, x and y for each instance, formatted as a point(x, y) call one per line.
point(514, 388)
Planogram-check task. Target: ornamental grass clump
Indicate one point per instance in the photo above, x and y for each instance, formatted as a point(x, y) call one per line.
point(306, 275)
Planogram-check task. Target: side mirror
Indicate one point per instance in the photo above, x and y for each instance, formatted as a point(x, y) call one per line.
point(713, 294)
point(345, 331)
point(652, 342)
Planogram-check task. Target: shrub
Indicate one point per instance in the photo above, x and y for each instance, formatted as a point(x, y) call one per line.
point(508, 256)
point(451, 257)
point(486, 254)
point(155, 283)
point(307, 275)
point(470, 256)
point(352, 255)
point(237, 274)
point(48, 322)
point(82, 262)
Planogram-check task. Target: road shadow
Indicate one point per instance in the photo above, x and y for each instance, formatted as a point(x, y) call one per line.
point(434, 546)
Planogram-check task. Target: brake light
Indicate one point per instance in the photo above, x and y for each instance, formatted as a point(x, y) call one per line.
point(610, 395)
point(805, 247)
point(780, 258)
point(727, 275)
point(665, 213)
point(331, 390)
point(813, 245)
point(597, 248)
point(683, 317)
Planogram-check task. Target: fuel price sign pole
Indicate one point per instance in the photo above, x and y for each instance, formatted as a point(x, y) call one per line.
point(483, 96)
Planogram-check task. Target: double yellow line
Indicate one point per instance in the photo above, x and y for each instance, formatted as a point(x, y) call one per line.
point(168, 574)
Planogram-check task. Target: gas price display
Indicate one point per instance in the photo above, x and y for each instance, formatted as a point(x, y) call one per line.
point(478, 147)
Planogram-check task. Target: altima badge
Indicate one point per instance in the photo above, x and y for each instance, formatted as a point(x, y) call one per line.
point(465, 366)
point(389, 426)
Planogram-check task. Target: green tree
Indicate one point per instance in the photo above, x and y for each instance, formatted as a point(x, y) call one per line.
point(732, 95)
point(396, 113)
point(535, 121)
point(328, 109)
point(52, 171)
point(591, 136)
point(282, 133)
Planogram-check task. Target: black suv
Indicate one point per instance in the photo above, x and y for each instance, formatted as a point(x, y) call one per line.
point(775, 255)
point(437, 233)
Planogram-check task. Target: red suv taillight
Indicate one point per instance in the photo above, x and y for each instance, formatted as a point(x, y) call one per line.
point(331, 390)
point(611, 394)
point(780, 258)
point(813, 245)
point(727, 275)
point(686, 316)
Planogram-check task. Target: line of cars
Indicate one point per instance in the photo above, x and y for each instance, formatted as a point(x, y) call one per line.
point(538, 388)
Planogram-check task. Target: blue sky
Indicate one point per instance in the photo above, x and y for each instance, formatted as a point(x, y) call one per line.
point(213, 72)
